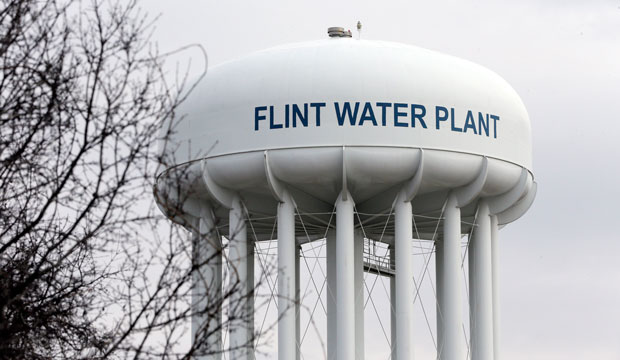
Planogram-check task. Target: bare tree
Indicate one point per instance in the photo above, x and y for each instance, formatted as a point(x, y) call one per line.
point(87, 268)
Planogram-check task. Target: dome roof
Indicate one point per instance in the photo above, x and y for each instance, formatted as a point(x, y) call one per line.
point(347, 92)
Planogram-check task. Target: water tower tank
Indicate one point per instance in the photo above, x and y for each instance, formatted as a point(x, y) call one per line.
point(341, 135)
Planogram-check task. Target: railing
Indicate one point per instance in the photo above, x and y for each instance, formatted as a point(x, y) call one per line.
point(377, 258)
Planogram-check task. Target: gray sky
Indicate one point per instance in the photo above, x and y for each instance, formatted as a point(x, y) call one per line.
point(560, 263)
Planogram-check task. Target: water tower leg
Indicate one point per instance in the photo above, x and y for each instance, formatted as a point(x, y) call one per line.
point(452, 327)
point(297, 304)
point(480, 292)
point(392, 307)
point(287, 292)
point(241, 256)
point(403, 279)
point(332, 331)
point(345, 300)
point(358, 270)
point(439, 286)
point(495, 283)
point(207, 289)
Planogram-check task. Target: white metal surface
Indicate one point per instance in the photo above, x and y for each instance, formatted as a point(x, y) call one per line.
point(272, 126)
point(452, 339)
point(345, 295)
point(480, 283)
point(287, 280)
point(332, 294)
point(297, 303)
point(241, 257)
point(403, 278)
point(207, 286)
point(439, 255)
point(222, 112)
point(393, 340)
point(358, 275)
point(495, 285)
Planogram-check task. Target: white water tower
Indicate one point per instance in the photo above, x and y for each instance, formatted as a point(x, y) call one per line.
point(365, 141)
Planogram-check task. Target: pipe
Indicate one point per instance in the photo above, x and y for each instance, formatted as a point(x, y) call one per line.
point(495, 283)
point(403, 278)
point(358, 270)
point(241, 256)
point(392, 308)
point(480, 292)
point(287, 276)
point(207, 289)
point(345, 300)
point(298, 303)
point(439, 293)
point(450, 283)
point(332, 292)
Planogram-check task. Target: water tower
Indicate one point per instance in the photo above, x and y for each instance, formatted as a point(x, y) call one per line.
point(354, 141)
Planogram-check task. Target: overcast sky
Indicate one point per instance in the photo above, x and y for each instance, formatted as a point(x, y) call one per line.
point(560, 263)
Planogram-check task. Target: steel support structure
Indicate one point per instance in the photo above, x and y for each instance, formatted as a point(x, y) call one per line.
point(298, 303)
point(449, 285)
point(439, 293)
point(288, 297)
point(332, 294)
point(358, 275)
point(480, 283)
point(403, 278)
point(345, 277)
point(241, 257)
point(392, 307)
point(207, 290)
point(495, 283)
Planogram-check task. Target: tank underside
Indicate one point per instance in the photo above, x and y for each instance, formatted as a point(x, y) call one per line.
point(315, 176)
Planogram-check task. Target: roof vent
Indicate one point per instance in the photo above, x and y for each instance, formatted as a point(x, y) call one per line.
point(337, 31)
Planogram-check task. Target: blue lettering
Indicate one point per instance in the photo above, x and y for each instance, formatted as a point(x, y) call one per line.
point(318, 107)
point(439, 118)
point(297, 114)
point(257, 116)
point(420, 116)
point(347, 113)
point(368, 115)
point(495, 120)
point(383, 105)
point(398, 114)
point(469, 123)
point(272, 125)
point(483, 123)
point(286, 115)
point(453, 127)
point(346, 110)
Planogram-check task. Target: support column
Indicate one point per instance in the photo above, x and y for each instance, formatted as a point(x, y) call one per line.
point(207, 288)
point(358, 263)
point(403, 279)
point(298, 303)
point(480, 292)
point(287, 281)
point(332, 292)
point(392, 306)
point(495, 283)
point(439, 293)
point(241, 255)
point(345, 300)
point(449, 288)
